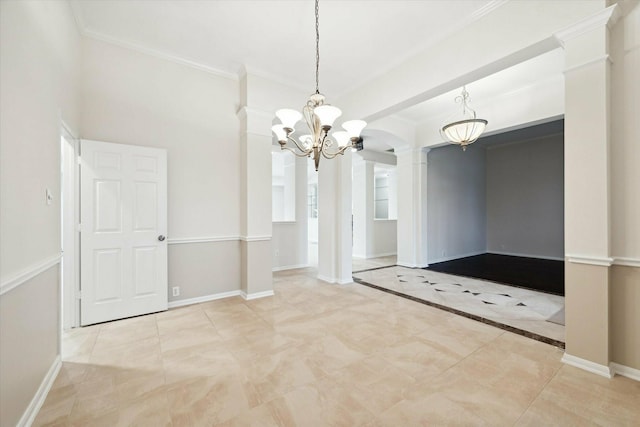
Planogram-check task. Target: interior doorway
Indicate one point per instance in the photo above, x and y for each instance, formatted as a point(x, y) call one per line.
point(69, 238)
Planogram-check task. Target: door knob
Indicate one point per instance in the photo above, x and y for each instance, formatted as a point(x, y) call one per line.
point(161, 237)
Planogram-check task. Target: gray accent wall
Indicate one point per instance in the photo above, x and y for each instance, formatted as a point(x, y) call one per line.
point(525, 198)
point(500, 197)
point(456, 203)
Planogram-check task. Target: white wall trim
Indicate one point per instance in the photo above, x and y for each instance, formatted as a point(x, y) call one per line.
point(452, 257)
point(345, 281)
point(205, 298)
point(326, 278)
point(202, 239)
point(627, 262)
point(29, 415)
point(626, 371)
point(587, 365)
point(551, 258)
point(289, 267)
point(587, 24)
point(411, 264)
point(589, 259)
point(377, 255)
point(29, 273)
point(256, 295)
point(254, 238)
point(157, 54)
point(584, 64)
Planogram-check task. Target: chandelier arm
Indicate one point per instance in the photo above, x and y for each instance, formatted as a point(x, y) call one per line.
point(328, 155)
point(296, 153)
point(298, 146)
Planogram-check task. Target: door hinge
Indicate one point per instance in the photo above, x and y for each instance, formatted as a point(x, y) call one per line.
point(78, 294)
point(79, 227)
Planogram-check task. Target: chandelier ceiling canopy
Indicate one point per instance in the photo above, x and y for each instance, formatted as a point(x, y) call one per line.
point(465, 129)
point(319, 118)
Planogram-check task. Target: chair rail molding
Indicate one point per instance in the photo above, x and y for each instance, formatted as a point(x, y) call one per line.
point(201, 239)
point(590, 259)
point(29, 273)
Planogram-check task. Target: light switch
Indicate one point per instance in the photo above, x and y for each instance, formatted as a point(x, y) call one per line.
point(49, 196)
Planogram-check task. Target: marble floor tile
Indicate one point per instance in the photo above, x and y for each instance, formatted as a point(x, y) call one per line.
point(518, 308)
point(329, 355)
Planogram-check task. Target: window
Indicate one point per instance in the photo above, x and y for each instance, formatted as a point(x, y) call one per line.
point(283, 186)
point(385, 193)
point(312, 201)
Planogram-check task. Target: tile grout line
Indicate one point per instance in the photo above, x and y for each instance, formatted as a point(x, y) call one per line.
point(555, 374)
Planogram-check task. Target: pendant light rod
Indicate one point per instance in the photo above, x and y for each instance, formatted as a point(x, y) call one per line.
point(317, 46)
point(319, 117)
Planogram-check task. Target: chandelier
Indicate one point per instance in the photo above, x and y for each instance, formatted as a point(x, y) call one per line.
point(466, 129)
point(319, 117)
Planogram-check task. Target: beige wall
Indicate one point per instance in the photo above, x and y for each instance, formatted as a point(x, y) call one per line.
point(29, 328)
point(40, 51)
point(625, 178)
point(202, 269)
point(133, 98)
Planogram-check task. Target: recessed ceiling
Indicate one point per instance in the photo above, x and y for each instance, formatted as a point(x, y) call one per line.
point(359, 39)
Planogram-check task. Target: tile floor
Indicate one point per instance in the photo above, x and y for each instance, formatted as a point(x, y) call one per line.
point(323, 355)
point(524, 309)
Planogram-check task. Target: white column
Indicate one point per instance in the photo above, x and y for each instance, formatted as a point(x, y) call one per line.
point(334, 219)
point(412, 207)
point(587, 206)
point(363, 183)
point(255, 199)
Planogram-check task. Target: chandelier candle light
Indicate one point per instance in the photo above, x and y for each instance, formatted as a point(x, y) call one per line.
point(466, 129)
point(319, 117)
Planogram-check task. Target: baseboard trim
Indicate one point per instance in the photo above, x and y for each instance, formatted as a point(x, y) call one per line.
point(29, 415)
point(550, 258)
point(205, 298)
point(256, 295)
point(29, 273)
point(369, 256)
point(626, 371)
point(587, 365)
point(326, 278)
point(451, 258)
point(411, 265)
point(289, 267)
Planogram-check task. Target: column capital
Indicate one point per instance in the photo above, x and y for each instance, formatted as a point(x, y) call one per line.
point(608, 16)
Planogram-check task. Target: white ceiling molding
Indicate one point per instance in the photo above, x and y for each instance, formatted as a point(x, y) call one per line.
point(77, 14)
point(475, 16)
point(608, 16)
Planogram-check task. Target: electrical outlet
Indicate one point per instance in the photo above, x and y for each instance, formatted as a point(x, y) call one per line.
point(48, 196)
point(444, 253)
point(176, 291)
point(277, 252)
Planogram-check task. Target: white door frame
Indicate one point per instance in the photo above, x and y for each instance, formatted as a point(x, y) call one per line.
point(70, 242)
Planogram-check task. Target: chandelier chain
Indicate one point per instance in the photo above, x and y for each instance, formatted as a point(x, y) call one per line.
point(317, 47)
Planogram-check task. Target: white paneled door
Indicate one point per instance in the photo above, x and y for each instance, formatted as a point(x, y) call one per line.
point(123, 191)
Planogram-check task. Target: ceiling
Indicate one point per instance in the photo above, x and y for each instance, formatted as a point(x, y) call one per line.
point(359, 39)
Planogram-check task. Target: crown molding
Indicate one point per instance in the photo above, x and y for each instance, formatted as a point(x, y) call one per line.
point(85, 32)
point(608, 16)
point(453, 29)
